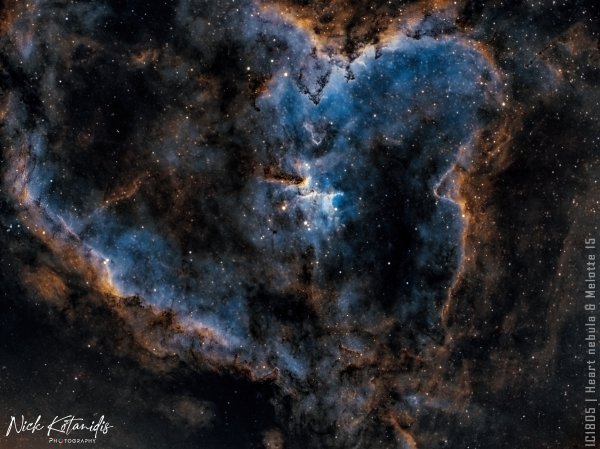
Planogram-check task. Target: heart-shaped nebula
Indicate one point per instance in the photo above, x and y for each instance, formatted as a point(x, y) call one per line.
point(337, 210)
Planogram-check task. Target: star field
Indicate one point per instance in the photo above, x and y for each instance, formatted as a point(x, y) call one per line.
point(281, 224)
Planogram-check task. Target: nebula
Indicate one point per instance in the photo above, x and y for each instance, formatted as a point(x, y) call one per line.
point(287, 224)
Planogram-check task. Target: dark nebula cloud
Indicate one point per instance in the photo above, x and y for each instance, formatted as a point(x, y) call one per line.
point(254, 224)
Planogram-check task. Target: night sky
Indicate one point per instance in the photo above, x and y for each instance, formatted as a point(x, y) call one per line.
point(298, 224)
